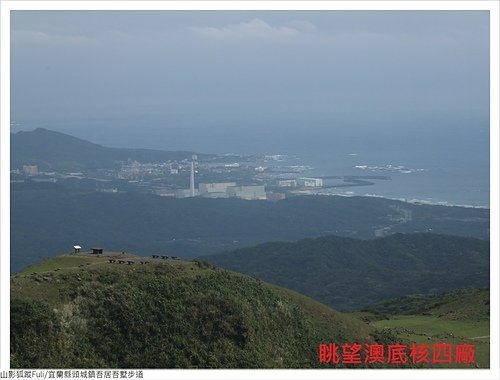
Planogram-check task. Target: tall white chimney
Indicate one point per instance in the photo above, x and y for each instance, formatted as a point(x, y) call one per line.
point(191, 182)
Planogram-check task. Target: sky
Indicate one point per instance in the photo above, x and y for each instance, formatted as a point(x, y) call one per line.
point(221, 81)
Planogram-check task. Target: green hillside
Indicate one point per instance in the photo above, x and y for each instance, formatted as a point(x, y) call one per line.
point(76, 311)
point(456, 317)
point(456, 305)
point(349, 274)
point(194, 227)
point(52, 150)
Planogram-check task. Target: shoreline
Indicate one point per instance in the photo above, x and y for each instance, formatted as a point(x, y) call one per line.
point(414, 201)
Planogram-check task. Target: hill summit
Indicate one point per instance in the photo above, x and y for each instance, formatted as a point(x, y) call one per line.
point(117, 310)
point(52, 150)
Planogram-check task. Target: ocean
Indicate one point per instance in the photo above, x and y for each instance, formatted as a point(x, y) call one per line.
point(445, 180)
point(446, 165)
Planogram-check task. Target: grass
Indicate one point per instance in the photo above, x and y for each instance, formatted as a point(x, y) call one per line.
point(73, 261)
point(434, 326)
point(325, 316)
point(54, 280)
point(431, 329)
point(461, 316)
point(70, 284)
point(80, 310)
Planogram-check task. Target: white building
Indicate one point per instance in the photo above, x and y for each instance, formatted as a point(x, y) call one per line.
point(248, 192)
point(310, 182)
point(30, 169)
point(215, 190)
point(287, 183)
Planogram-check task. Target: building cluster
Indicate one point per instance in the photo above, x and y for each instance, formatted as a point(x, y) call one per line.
point(33, 173)
point(249, 181)
point(30, 170)
point(301, 182)
point(220, 189)
point(135, 170)
point(224, 190)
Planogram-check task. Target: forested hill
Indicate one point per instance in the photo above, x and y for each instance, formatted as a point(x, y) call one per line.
point(348, 274)
point(48, 221)
point(52, 150)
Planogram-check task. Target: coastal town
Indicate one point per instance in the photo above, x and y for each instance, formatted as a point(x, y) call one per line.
point(267, 177)
point(244, 177)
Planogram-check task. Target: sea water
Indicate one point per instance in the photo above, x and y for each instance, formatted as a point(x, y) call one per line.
point(442, 164)
point(447, 181)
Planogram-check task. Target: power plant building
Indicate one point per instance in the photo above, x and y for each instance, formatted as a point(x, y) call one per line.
point(219, 189)
point(287, 183)
point(30, 170)
point(310, 182)
point(215, 190)
point(248, 192)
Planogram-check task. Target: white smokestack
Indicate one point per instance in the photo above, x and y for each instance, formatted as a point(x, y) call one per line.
point(191, 182)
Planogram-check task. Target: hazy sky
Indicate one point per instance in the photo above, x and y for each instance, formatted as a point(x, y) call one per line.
point(233, 79)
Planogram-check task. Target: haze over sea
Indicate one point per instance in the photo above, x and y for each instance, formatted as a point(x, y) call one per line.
point(447, 165)
point(338, 89)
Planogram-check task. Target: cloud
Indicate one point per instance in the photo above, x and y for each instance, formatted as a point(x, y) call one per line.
point(39, 37)
point(254, 29)
point(303, 26)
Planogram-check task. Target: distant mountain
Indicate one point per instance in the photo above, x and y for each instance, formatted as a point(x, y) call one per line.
point(348, 274)
point(81, 311)
point(52, 150)
point(50, 220)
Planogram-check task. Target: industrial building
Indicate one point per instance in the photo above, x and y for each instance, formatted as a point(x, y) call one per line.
point(215, 190)
point(256, 192)
point(287, 183)
point(220, 189)
point(30, 170)
point(310, 182)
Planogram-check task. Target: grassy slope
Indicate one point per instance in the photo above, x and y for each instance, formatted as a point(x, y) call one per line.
point(429, 330)
point(455, 317)
point(456, 305)
point(82, 311)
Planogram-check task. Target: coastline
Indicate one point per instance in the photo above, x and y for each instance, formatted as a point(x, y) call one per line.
point(414, 201)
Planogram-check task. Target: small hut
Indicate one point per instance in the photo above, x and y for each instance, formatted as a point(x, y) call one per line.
point(97, 251)
point(77, 248)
